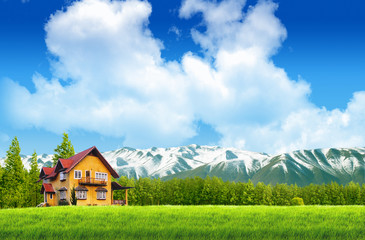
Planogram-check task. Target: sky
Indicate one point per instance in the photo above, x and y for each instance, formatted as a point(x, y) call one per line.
point(267, 76)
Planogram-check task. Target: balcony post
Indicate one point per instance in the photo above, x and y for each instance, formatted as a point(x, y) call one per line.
point(126, 197)
point(112, 197)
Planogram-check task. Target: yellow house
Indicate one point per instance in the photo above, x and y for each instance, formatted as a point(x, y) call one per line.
point(88, 173)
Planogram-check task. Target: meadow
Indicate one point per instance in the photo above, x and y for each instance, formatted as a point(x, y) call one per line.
point(184, 222)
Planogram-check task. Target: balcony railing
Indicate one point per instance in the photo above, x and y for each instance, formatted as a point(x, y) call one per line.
point(119, 202)
point(92, 181)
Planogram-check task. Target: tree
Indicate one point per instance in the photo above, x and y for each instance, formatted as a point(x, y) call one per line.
point(65, 150)
point(353, 193)
point(34, 187)
point(262, 194)
point(1, 186)
point(248, 193)
point(14, 177)
point(282, 194)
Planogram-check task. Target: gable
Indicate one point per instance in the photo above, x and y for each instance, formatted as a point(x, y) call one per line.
point(91, 163)
point(58, 166)
point(45, 171)
point(91, 152)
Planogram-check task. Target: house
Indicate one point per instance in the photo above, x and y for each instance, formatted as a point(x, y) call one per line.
point(88, 173)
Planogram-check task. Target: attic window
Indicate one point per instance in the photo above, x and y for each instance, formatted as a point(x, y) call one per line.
point(62, 176)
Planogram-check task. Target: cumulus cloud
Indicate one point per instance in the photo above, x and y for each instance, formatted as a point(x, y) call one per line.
point(109, 77)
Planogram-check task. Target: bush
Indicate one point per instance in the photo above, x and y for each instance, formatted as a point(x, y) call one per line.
point(297, 201)
point(73, 196)
point(63, 202)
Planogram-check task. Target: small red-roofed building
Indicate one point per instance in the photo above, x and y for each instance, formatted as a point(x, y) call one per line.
point(88, 173)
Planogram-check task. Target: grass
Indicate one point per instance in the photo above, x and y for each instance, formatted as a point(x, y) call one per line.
point(184, 222)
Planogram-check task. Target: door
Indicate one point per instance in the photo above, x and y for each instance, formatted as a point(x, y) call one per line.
point(87, 175)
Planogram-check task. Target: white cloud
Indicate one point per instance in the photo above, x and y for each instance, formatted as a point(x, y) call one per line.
point(176, 31)
point(119, 84)
point(109, 78)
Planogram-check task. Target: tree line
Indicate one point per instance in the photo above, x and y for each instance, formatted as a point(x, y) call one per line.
point(214, 191)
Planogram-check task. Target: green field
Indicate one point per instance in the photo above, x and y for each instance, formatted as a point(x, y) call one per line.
point(184, 222)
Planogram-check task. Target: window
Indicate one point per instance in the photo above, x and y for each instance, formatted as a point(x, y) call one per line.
point(81, 194)
point(101, 195)
point(62, 195)
point(101, 176)
point(78, 174)
point(62, 176)
point(51, 196)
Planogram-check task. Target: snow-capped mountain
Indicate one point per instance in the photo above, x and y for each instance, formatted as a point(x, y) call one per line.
point(341, 165)
point(161, 162)
point(44, 160)
point(301, 167)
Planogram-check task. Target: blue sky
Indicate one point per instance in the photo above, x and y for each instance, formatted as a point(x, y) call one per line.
point(304, 90)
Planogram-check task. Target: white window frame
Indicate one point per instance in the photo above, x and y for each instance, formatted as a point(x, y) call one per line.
point(76, 173)
point(82, 195)
point(101, 176)
point(62, 195)
point(101, 195)
point(62, 176)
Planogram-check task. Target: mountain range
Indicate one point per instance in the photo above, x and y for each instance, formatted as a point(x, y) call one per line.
point(301, 167)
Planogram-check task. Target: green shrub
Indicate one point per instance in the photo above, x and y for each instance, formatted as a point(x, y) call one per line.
point(73, 196)
point(297, 201)
point(63, 202)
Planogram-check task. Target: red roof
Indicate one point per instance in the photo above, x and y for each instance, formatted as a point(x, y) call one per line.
point(66, 163)
point(47, 187)
point(71, 162)
point(45, 172)
point(78, 157)
point(48, 170)
point(52, 175)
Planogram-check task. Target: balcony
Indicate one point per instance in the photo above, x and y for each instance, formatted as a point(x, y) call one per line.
point(92, 181)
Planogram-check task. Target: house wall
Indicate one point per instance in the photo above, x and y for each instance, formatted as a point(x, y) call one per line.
point(94, 164)
point(51, 202)
point(57, 184)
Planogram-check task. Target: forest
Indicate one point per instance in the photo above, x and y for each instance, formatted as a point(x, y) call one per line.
point(214, 191)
